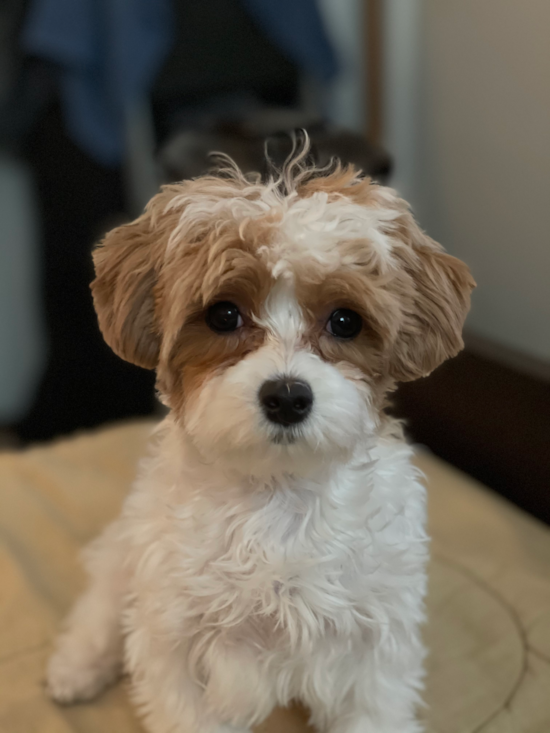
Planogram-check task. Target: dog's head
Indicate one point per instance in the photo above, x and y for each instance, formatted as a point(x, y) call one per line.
point(278, 314)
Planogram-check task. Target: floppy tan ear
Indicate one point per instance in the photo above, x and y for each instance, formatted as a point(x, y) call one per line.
point(123, 292)
point(435, 290)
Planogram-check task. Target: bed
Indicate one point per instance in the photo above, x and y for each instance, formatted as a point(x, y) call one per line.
point(488, 604)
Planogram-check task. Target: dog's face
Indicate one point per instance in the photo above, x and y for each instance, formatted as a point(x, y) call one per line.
point(278, 320)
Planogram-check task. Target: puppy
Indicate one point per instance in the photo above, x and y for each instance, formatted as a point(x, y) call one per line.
point(273, 547)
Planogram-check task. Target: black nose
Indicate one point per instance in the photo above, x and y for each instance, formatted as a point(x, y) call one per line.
point(286, 401)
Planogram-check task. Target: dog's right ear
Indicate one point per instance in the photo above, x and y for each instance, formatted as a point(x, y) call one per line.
point(126, 266)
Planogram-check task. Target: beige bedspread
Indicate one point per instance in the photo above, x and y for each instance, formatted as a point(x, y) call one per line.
point(489, 600)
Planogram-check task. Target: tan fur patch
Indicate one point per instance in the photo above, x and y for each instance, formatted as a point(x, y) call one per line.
point(151, 298)
point(196, 352)
point(434, 289)
point(343, 181)
point(356, 291)
point(126, 264)
point(431, 288)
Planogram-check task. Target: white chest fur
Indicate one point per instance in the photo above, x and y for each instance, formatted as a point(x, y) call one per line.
point(297, 559)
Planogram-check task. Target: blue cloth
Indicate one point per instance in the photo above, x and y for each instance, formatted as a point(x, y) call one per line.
point(109, 52)
point(296, 26)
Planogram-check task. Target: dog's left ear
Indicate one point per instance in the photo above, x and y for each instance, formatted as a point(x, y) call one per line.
point(435, 293)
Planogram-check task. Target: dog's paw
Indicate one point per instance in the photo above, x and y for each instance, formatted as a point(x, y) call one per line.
point(71, 679)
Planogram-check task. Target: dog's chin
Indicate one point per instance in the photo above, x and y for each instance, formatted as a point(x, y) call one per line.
point(286, 436)
point(272, 452)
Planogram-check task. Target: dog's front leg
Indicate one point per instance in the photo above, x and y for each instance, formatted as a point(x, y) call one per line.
point(377, 712)
point(373, 690)
point(89, 652)
point(171, 700)
point(368, 716)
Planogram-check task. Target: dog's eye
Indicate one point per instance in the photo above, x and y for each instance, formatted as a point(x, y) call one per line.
point(224, 317)
point(344, 323)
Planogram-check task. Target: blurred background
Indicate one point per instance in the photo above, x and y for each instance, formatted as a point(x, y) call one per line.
point(446, 100)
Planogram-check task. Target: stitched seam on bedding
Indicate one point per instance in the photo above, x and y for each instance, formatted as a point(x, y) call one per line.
point(515, 620)
point(30, 475)
point(19, 551)
point(24, 652)
point(541, 655)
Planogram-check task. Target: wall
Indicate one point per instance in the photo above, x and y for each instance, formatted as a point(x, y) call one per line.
point(468, 117)
point(344, 99)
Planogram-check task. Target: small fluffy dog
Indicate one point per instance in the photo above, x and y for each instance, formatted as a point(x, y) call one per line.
point(273, 547)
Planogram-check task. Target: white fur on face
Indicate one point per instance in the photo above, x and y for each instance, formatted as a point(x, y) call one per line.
point(313, 227)
point(309, 227)
point(225, 420)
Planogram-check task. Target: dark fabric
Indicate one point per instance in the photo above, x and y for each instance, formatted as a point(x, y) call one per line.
point(296, 26)
point(85, 384)
point(108, 53)
point(221, 60)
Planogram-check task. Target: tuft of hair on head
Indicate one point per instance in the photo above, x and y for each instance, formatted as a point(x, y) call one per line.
point(291, 160)
point(290, 168)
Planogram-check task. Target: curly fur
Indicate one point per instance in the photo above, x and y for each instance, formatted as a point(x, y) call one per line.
point(252, 564)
